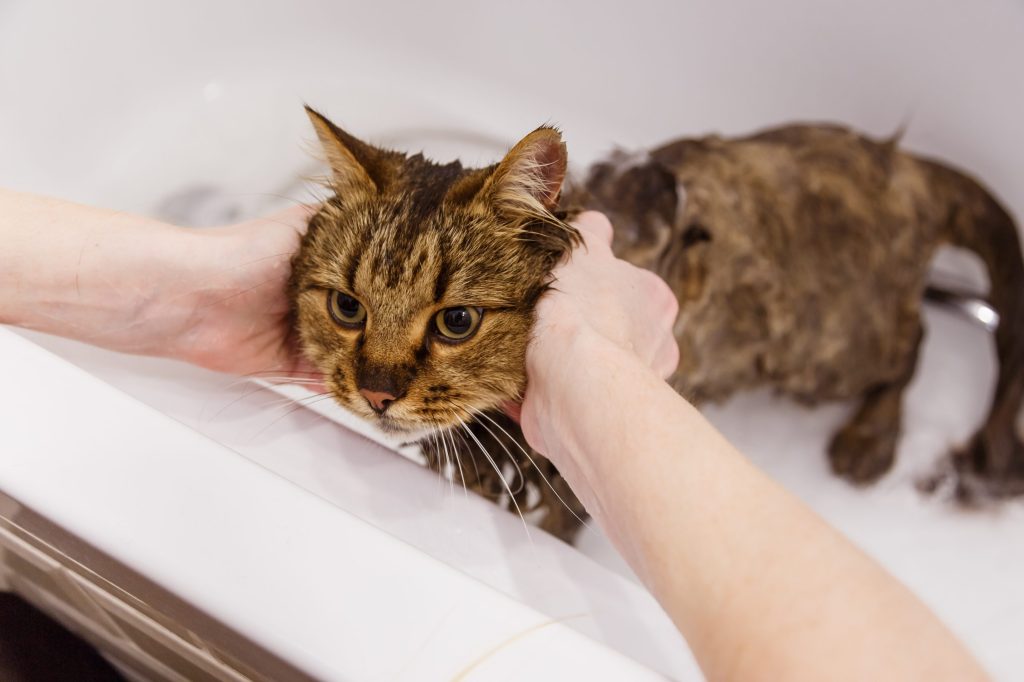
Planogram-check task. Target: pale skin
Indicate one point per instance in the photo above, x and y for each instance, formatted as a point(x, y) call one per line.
point(213, 297)
point(760, 587)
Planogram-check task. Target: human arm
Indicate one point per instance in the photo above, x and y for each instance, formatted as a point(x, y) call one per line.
point(214, 297)
point(759, 586)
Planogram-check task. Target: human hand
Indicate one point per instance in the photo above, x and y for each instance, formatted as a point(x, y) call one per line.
point(214, 297)
point(604, 299)
point(239, 319)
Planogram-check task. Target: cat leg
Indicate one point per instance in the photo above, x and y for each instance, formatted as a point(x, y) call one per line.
point(460, 456)
point(865, 448)
point(994, 458)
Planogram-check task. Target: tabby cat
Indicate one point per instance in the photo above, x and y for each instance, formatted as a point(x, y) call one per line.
point(799, 256)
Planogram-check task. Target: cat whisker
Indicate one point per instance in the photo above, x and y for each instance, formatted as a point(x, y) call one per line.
point(535, 466)
point(289, 372)
point(519, 471)
point(255, 388)
point(458, 460)
point(476, 469)
point(470, 413)
point(315, 398)
point(285, 401)
point(447, 460)
point(252, 389)
point(286, 381)
point(452, 456)
point(501, 477)
point(298, 405)
point(449, 464)
point(281, 380)
point(440, 464)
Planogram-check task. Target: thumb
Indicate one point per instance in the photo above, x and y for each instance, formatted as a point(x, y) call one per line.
point(594, 227)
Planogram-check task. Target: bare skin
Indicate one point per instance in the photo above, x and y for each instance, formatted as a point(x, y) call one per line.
point(212, 297)
point(760, 587)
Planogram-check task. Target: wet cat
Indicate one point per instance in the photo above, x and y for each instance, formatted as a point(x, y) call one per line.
point(799, 257)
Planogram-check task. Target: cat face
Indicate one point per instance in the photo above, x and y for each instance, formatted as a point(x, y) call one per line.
point(414, 288)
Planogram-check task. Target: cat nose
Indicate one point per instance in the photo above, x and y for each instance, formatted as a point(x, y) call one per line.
point(379, 400)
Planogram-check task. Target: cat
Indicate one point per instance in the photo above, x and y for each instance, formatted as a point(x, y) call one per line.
point(799, 256)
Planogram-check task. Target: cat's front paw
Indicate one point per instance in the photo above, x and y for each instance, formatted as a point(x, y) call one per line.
point(861, 455)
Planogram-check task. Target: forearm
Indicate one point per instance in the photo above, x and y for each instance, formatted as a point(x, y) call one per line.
point(758, 585)
point(87, 273)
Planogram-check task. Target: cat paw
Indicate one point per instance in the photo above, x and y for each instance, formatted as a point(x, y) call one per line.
point(987, 472)
point(862, 456)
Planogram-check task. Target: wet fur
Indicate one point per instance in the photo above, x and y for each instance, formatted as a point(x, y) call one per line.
point(799, 257)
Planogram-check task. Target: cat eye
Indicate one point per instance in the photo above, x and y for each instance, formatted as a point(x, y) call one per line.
point(457, 324)
point(345, 310)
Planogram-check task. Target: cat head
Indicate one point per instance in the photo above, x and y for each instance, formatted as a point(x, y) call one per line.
point(414, 288)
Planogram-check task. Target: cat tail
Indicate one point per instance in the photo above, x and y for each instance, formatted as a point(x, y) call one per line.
point(977, 222)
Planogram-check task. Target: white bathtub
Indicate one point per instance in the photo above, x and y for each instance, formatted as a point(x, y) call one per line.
point(238, 534)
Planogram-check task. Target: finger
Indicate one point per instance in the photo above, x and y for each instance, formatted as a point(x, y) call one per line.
point(668, 359)
point(513, 410)
point(671, 303)
point(663, 298)
point(302, 368)
point(594, 226)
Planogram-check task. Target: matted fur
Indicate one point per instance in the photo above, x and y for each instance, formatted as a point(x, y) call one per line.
point(800, 256)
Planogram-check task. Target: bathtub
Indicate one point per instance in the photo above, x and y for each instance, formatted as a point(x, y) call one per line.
point(195, 526)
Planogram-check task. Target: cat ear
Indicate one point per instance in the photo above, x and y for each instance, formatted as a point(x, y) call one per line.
point(355, 165)
point(525, 187)
point(528, 181)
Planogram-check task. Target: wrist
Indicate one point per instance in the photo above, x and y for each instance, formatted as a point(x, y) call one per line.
point(573, 373)
point(227, 299)
point(164, 294)
point(176, 276)
point(193, 278)
point(551, 346)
